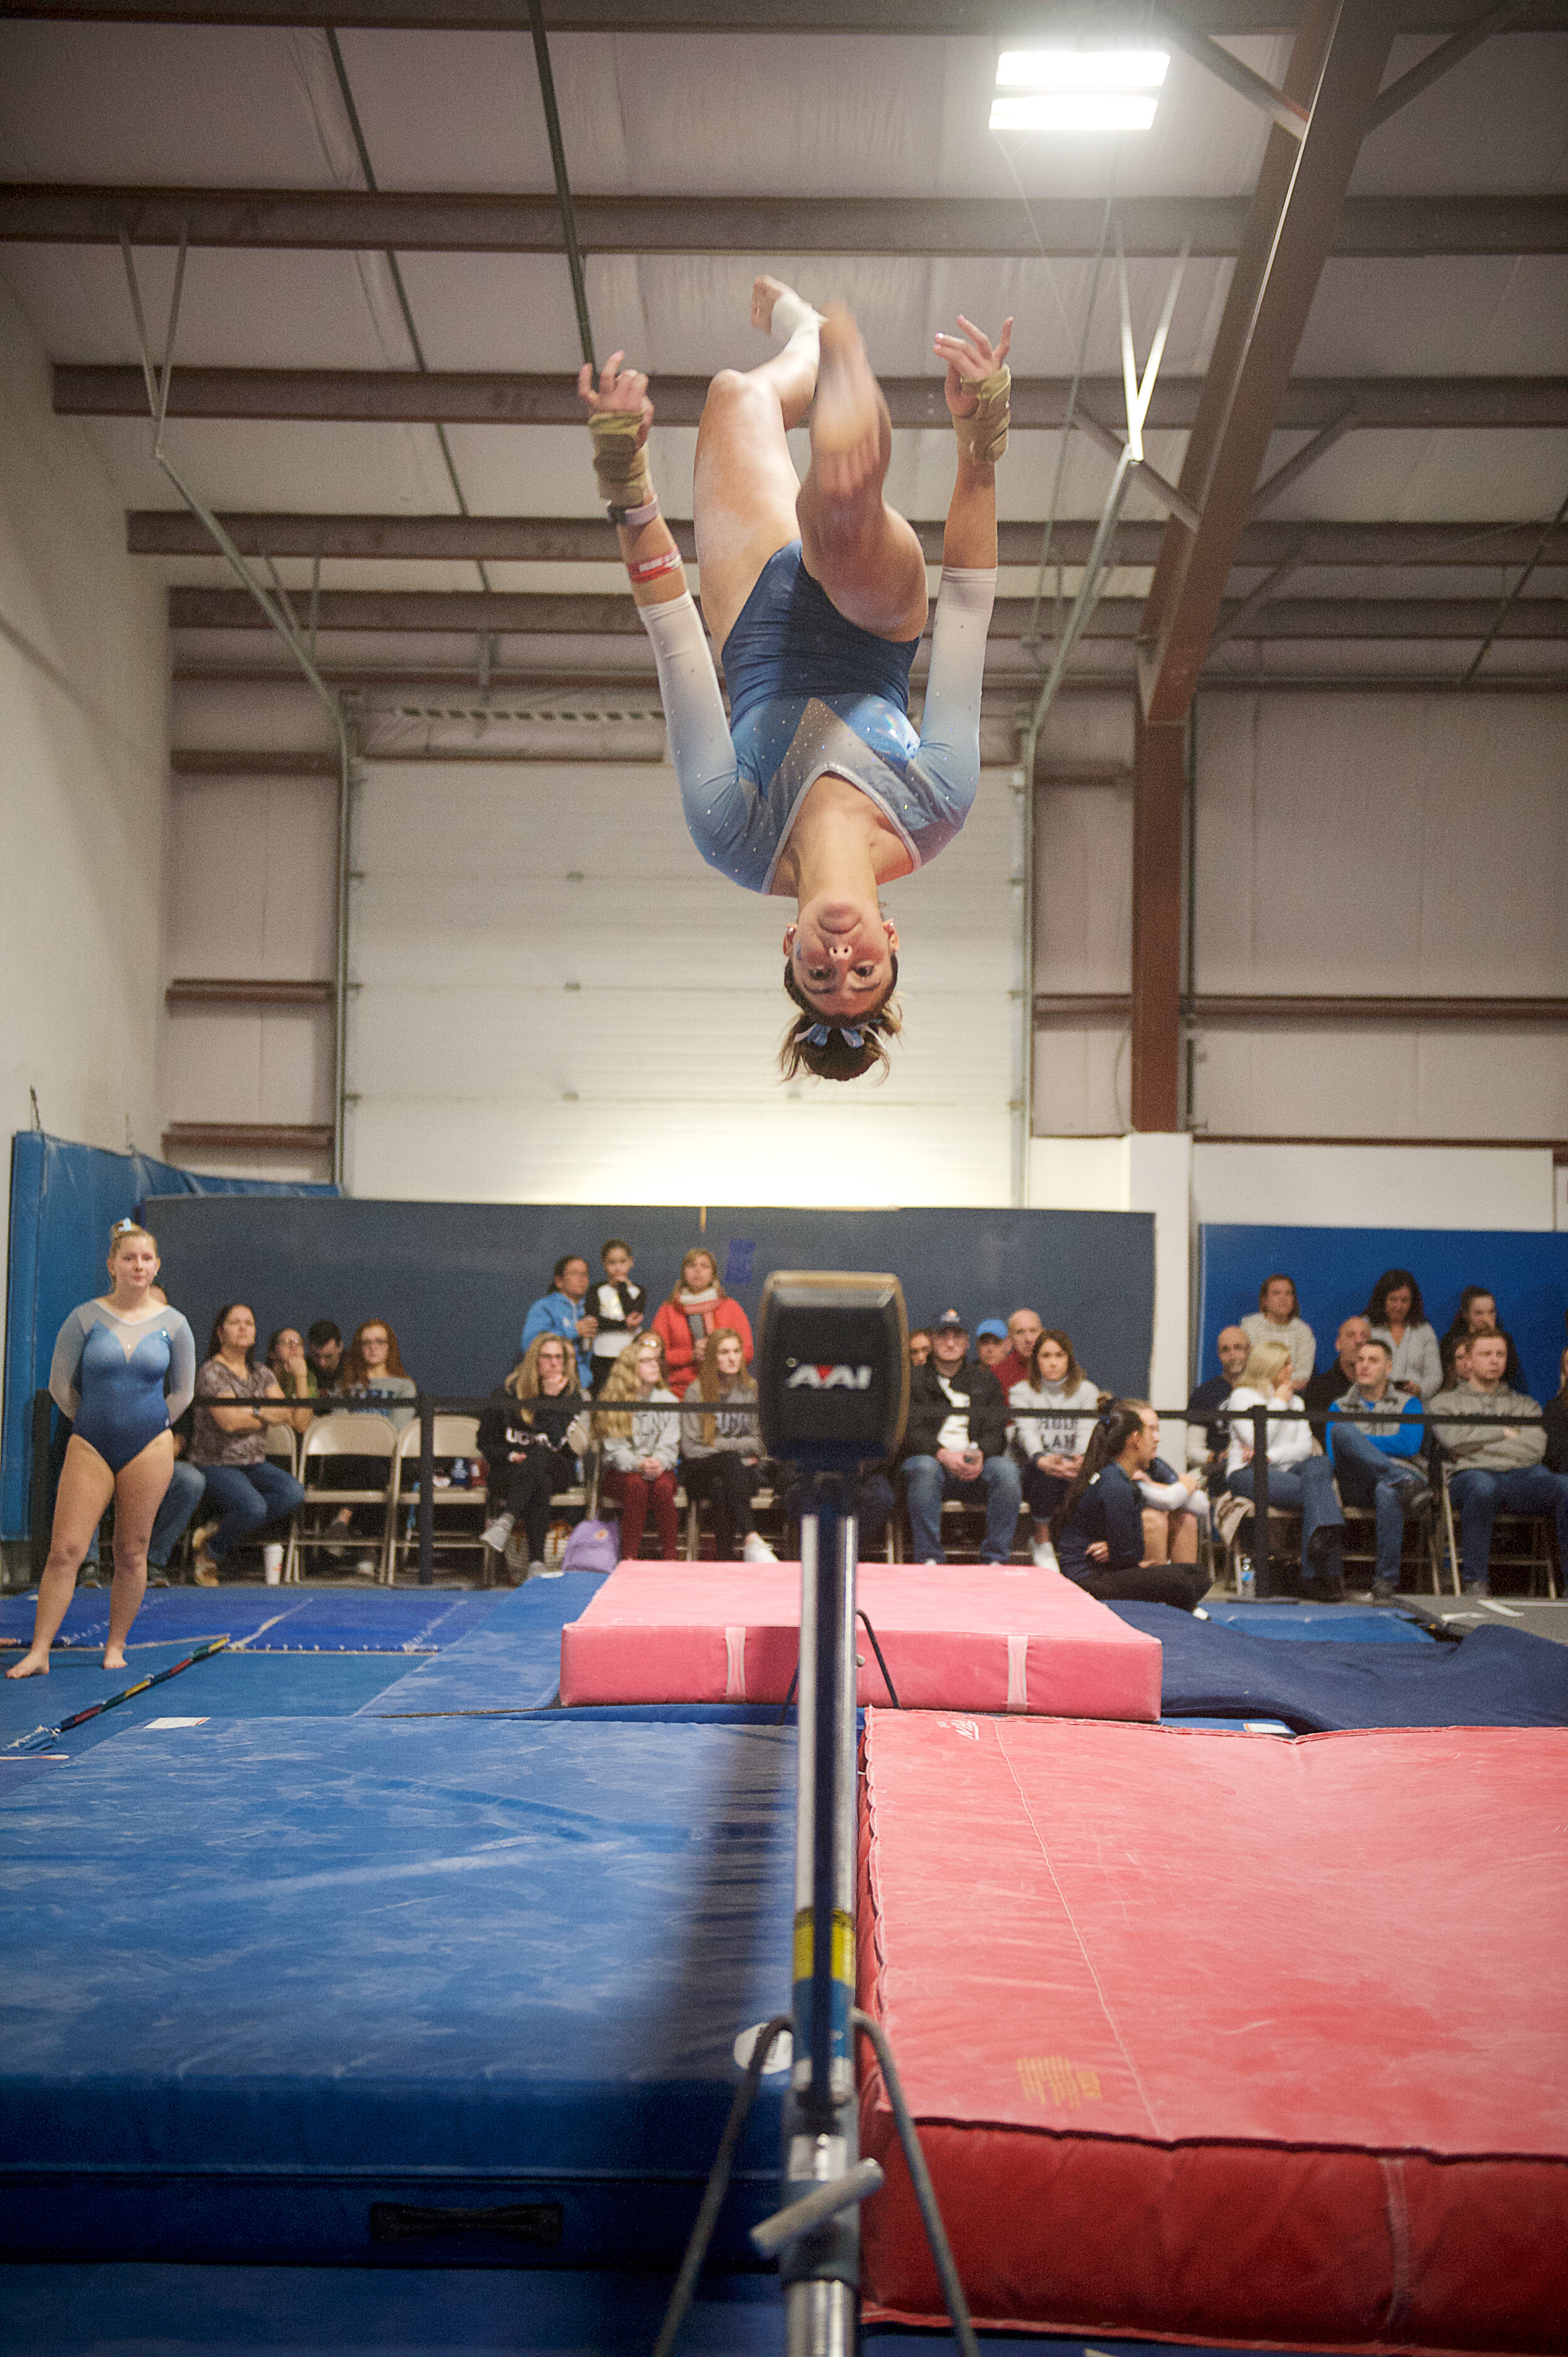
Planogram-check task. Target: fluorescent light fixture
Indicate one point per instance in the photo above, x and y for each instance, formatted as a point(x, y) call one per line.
point(1085, 69)
point(1099, 110)
point(1076, 89)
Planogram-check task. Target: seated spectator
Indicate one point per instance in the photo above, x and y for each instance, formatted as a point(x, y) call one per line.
point(695, 1309)
point(233, 1411)
point(919, 1346)
point(1023, 1332)
point(721, 1449)
point(874, 1506)
point(1477, 1314)
point(640, 1447)
point(563, 1311)
point(287, 1358)
point(955, 1445)
point(1497, 1458)
point(1377, 1463)
point(1278, 1319)
point(991, 1345)
point(1105, 1538)
point(1332, 1382)
point(1299, 1481)
point(1054, 1410)
point(1207, 1437)
point(324, 1349)
point(530, 1439)
point(618, 1307)
point(1178, 1503)
point(1396, 1315)
point(1556, 1412)
point(371, 1377)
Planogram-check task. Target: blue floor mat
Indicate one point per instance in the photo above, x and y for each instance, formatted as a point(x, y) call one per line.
point(513, 1662)
point(1320, 1624)
point(211, 2311)
point(1496, 1677)
point(229, 1685)
point(268, 1976)
point(272, 1619)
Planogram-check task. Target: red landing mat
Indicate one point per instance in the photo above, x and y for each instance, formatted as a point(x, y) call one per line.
point(1218, 2038)
point(955, 1637)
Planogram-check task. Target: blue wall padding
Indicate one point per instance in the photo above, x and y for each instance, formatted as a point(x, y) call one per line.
point(64, 1200)
point(264, 1974)
point(1320, 1624)
point(1336, 1268)
point(456, 1279)
point(1496, 1677)
point(272, 1619)
point(512, 1663)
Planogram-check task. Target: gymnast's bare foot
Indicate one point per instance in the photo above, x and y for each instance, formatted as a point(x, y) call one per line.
point(766, 294)
point(32, 1664)
point(115, 1657)
point(848, 416)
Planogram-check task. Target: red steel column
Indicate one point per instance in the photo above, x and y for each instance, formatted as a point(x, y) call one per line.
point(1157, 761)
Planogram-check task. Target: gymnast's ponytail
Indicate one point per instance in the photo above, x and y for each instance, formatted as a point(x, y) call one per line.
point(1118, 1423)
point(841, 1049)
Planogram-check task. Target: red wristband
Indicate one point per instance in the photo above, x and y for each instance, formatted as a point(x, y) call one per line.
point(652, 566)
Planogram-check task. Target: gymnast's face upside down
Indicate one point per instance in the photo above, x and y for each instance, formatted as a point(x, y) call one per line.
point(840, 950)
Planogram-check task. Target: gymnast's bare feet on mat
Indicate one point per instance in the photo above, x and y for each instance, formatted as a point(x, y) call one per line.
point(32, 1664)
point(115, 1657)
point(847, 414)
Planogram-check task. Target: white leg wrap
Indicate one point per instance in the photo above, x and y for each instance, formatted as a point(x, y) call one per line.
point(791, 314)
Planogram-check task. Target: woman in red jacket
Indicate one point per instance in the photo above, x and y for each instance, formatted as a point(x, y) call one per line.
point(694, 1311)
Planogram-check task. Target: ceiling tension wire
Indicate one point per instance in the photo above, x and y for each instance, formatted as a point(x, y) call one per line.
point(563, 185)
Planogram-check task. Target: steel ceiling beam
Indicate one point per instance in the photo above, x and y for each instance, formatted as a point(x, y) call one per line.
point(478, 397)
point(530, 613)
point(362, 220)
point(895, 19)
point(1337, 63)
point(553, 540)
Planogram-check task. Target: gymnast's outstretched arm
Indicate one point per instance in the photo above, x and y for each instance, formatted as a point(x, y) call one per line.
point(977, 393)
point(619, 415)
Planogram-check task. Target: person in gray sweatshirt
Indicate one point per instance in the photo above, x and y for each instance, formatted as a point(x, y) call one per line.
point(640, 1447)
point(1496, 1456)
point(721, 1448)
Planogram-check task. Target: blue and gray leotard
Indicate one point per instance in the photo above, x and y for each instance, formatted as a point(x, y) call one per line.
point(811, 693)
point(119, 1398)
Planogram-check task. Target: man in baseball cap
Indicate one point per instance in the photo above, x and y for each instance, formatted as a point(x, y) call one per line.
point(955, 1445)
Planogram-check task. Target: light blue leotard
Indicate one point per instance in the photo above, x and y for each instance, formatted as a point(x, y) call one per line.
point(119, 1402)
point(811, 693)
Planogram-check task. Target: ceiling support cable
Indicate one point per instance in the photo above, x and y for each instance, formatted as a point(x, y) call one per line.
point(278, 614)
point(1438, 61)
point(563, 185)
point(394, 270)
point(1510, 601)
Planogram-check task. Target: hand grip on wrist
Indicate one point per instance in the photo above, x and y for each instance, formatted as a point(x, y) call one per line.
point(982, 434)
point(620, 457)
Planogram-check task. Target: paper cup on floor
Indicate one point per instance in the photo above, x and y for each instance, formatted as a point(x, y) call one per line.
point(271, 1563)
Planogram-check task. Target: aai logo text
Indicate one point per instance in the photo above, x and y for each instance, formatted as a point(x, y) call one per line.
point(829, 1379)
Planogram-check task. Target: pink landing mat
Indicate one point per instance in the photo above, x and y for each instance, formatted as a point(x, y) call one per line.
point(955, 1637)
point(1215, 2037)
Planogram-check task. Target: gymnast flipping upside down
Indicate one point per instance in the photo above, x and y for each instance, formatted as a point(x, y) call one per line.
point(817, 787)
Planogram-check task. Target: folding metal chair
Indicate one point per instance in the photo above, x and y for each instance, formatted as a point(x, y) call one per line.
point(344, 1433)
point(1536, 1560)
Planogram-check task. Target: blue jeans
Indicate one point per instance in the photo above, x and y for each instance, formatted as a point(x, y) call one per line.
point(181, 1499)
point(1481, 1497)
point(926, 1483)
point(1306, 1489)
point(249, 1496)
point(1369, 1476)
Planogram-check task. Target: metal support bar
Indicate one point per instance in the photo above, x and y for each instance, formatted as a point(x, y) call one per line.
point(1234, 624)
point(1261, 1549)
point(1286, 112)
point(857, 2184)
point(1509, 602)
point(1111, 442)
point(1268, 491)
point(563, 185)
point(1441, 60)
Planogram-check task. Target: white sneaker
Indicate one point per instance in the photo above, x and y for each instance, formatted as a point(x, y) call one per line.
point(1043, 1555)
point(367, 1567)
point(497, 1532)
point(544, 1571)
point(757, 1550)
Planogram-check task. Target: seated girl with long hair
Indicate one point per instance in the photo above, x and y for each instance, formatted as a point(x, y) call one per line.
point(640, 1447)
point(815, 788)
point(1056, 1406)
point(722, 1450)
point(1107, 1540)
point(530, 1440)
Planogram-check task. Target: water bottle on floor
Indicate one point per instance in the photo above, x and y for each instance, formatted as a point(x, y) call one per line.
point(1246, 1579)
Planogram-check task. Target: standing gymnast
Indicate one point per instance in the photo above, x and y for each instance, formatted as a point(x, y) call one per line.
point(817, 787)
point(125, 1371)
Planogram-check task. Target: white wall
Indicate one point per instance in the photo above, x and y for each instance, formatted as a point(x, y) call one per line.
point(556, 1000)
point(1373, 1187)
point(82, 700)
point(1142, 1172)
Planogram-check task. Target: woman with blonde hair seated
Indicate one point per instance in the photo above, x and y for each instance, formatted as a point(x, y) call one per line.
point(722, 1451)
point(641, 1446)
point(531, 1439)
point(1299, 1481)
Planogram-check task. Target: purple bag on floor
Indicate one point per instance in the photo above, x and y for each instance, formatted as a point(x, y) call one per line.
point(592, 1546)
